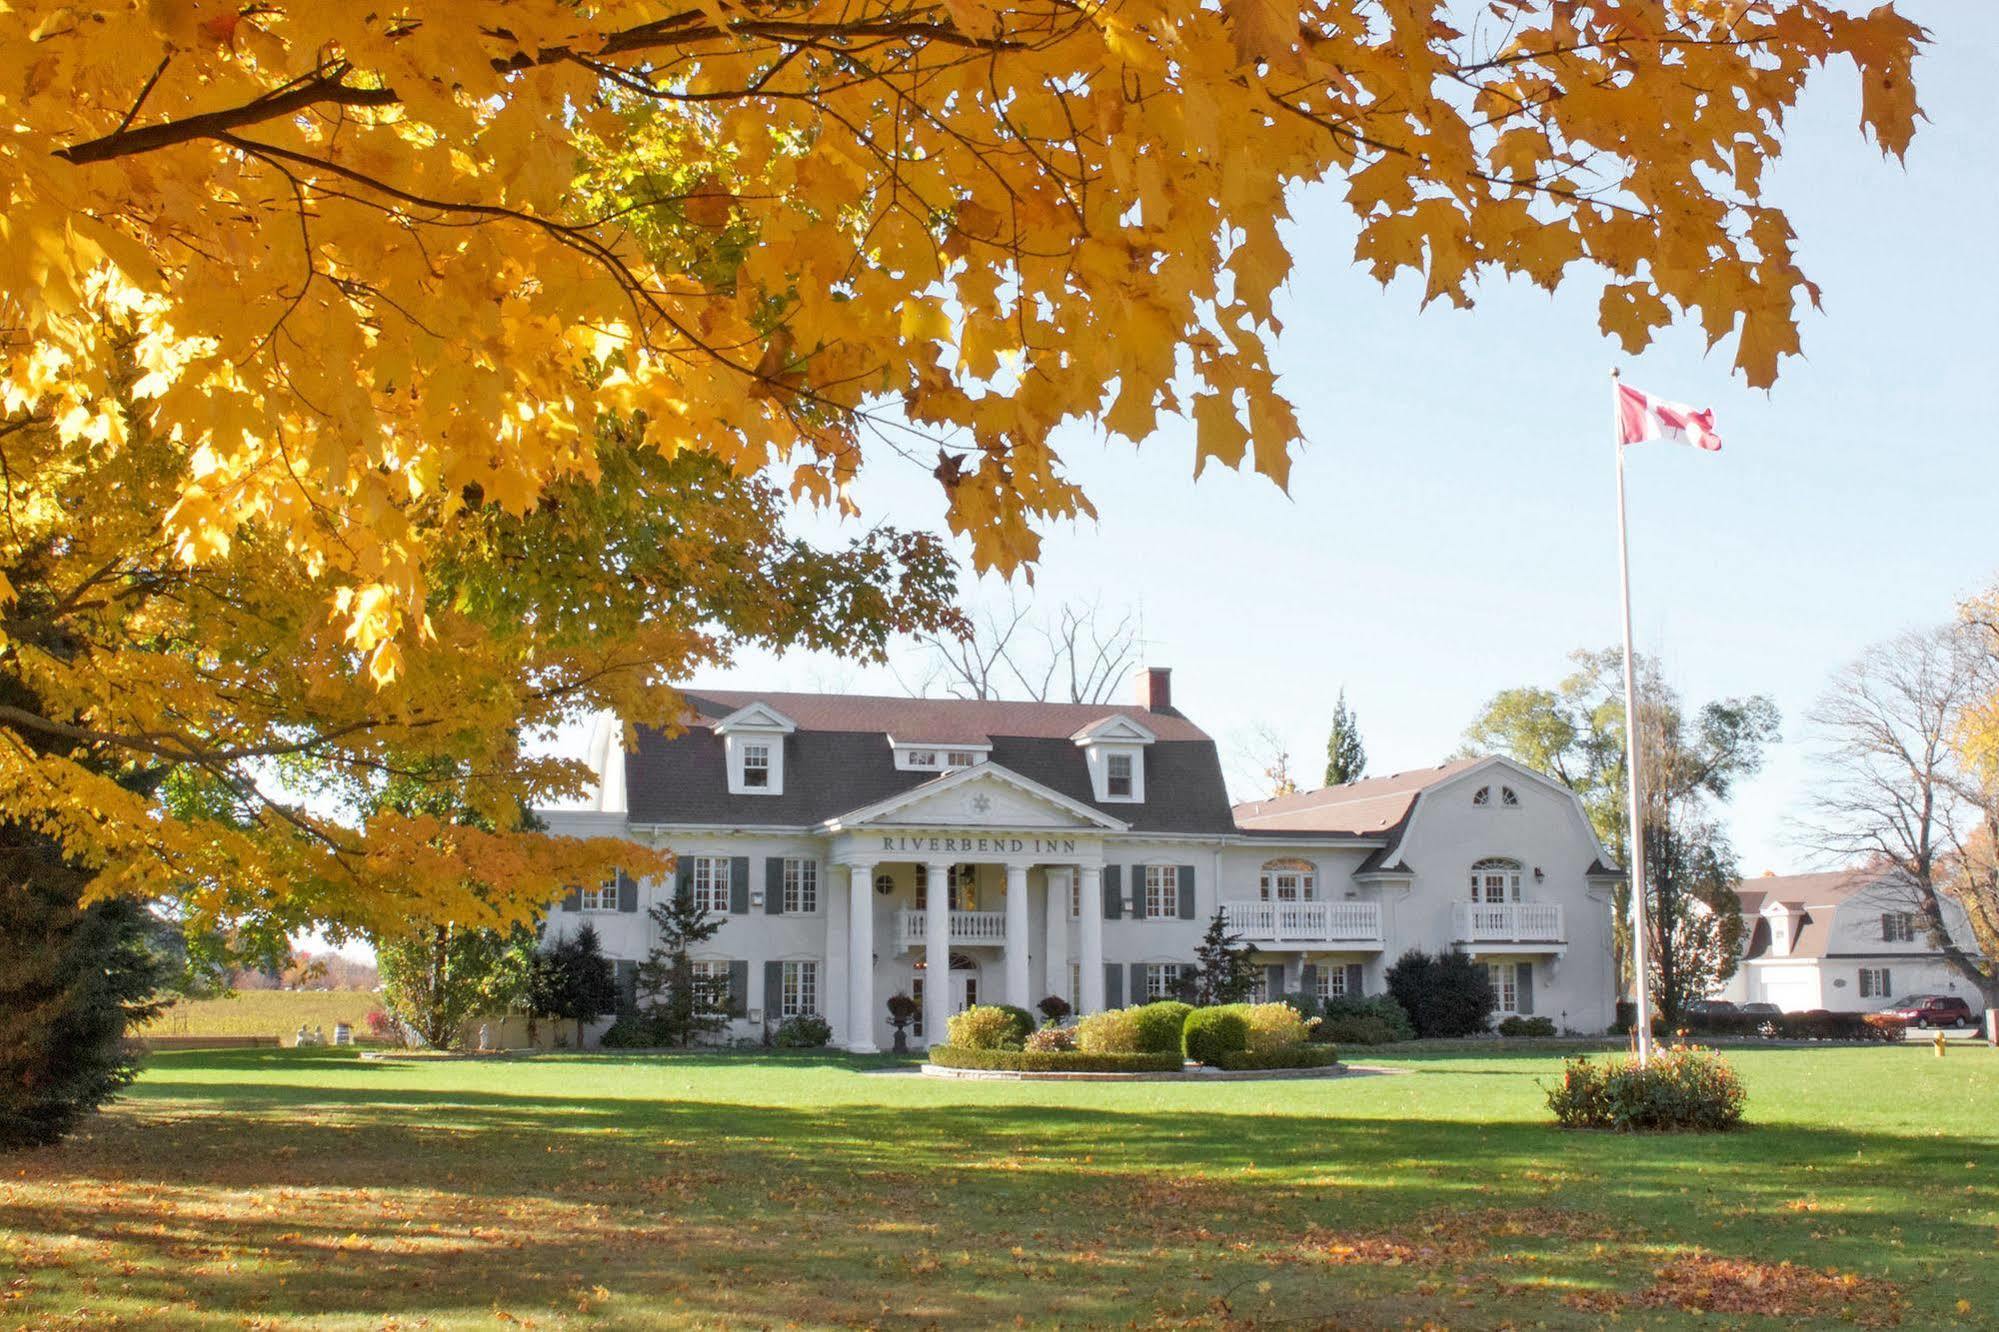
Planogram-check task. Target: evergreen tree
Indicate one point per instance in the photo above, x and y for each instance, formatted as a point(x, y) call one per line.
point(1346, 756)
point(575, 981)
point(682, 1006)
point(1223, 971)
point(72, 979)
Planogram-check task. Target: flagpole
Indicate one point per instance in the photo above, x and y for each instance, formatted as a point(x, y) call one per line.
point(1635, 852)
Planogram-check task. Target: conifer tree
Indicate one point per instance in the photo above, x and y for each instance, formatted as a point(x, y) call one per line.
point(1346, 756)
point(1223, 971)
point(682, 1006)
point(575, 981)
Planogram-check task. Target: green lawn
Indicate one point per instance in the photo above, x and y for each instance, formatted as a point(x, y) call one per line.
point(309, 1188)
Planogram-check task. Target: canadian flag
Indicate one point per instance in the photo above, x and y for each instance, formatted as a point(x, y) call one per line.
point(1640, 417)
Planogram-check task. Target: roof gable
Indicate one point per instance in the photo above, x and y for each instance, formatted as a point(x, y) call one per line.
point(756, 716)
point(984, 795)
point(1114, 729)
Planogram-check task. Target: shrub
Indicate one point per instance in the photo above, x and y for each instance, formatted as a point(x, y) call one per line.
point(807, 1031)
point(989, 1027)
point(1159, 1025)
point(1274, 1027)
point(1211, 1033)
point(1049, 1040)
point(1354, 1031)
point(1381, 1007)
point(1307, 1005)
point(1445, 995)
point(1054, 1008)
point(1297, 1056)
point(1114, 1031)
point(1054, 1061)
point(380, 1025)
point(1685, 1087)
point(1526, 1026)
point(633, 1031)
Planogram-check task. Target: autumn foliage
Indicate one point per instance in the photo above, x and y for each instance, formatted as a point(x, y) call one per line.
point(382, 384)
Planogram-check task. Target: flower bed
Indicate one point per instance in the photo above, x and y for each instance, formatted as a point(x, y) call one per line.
point(1052, 1061)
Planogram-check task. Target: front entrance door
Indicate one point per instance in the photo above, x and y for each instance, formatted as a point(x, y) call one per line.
point(964, 991)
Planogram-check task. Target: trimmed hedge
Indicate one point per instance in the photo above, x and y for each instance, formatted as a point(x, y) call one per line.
point(1526, 1026)
point(989, 1027)
point(1053, 1061)
point(1212, 1033)
point(1159, 1025)
point(1113, 1031)
point(1354, 1031)
point(1297, 1056)
point(1815, 1025)
point(1382, 1008)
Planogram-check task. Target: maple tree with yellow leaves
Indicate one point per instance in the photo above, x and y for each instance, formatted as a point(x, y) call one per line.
point(336, 335)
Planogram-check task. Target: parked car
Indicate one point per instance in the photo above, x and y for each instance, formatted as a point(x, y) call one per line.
point(1711, 1008)
point(1931, 1010)
point(1761, 1009)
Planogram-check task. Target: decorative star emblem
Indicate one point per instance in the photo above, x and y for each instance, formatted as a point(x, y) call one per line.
point(982, 803)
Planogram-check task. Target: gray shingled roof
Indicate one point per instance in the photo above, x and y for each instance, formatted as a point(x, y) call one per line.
point(831, 768)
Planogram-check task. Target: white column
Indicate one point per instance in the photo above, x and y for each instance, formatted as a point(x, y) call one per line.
point(1016, 936)
point(1055, 956)
point(861, 1016)
point(936, 954)
point(1091, 940)
point(833, 984)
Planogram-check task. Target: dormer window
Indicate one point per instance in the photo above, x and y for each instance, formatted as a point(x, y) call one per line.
point(937, 757)
point(1114, 749)
point(1117, 776)
point(922, 758)
point(753, 747)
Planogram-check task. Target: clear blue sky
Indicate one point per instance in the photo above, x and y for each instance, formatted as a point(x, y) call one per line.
point(1450, 527)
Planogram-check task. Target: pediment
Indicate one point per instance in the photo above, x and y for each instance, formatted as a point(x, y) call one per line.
point(987, 796)
point(755, 717)
point(1114, 729)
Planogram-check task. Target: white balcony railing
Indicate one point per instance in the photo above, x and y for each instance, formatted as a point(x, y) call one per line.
point(967, 927)
point(1304, 922)
point(1509, 922)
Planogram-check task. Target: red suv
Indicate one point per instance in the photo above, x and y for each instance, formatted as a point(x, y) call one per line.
point(1931, 1010)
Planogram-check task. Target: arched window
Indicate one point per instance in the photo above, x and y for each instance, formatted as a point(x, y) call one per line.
point(1495, 879)
point(1482, 796)
point(1289, 881)
point(1508, 799)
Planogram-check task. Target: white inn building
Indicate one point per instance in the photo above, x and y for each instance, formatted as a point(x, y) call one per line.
point(973, 851)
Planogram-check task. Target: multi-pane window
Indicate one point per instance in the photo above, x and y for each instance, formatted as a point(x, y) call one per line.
point(604, 897)
point(1898, 927)
point(801, 885)
point(1163, 978)
point(1075, 895)
point(1117, 776)
point(1332, 982)
point(1874, 983)
point(1482, 796)
point(1505, 985)
point(1076, 986)
point(962, 887)
point(713, 978)
point(1495, 880)
point(884, 884)
point(756, 765)
point(801, 989)
point(960, 758)
point(1508, 799)
point(1162, 891)
point(1288, 881)
point(922, 758)
point(709, 882)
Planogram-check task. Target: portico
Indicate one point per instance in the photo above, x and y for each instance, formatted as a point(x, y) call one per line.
point(921, 872)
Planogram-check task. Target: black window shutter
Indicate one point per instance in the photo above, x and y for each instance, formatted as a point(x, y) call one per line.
point(1113, 985)
point(1887, 927)
point(1273, 980)
point(1353, 979)
point(628, 892)
point(773, 885)
point(683, 877)
point(1138, 893)
point(739, 885)
point(1523, 987)
point(1308, 979)
point(1113, 891)
point(739, 988)
point(773, 990)
point(1138, 993)
point(573, 900)
point(628, 985)
point(1186, 892)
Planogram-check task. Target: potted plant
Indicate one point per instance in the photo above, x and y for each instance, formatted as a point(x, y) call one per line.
point(901, 1012)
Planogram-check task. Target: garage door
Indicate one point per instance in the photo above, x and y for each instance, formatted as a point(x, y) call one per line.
point(1793, 994)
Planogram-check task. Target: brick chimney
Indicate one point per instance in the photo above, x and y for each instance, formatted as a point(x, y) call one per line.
point(1155, 688)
